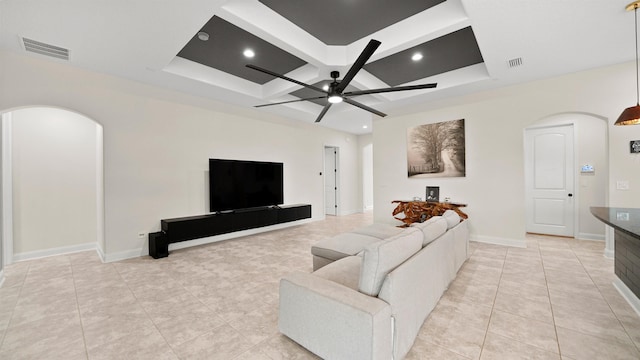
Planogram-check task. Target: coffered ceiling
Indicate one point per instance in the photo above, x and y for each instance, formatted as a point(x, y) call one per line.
point(466, 46)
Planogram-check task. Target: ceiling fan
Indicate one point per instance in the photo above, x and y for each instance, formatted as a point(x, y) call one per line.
point(335, 94)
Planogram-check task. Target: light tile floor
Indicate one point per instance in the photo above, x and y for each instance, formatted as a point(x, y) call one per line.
point(552, 300)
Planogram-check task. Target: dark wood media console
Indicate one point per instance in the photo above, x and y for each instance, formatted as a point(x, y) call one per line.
point(195, 227)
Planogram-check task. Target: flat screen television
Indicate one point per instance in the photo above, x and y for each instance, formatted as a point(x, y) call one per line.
point(238, 184)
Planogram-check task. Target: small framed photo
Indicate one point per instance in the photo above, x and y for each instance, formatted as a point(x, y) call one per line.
point(634, 146)
point(433, 194)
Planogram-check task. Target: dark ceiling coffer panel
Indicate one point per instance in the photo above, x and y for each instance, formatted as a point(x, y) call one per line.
point(340, 22)
point(225, 47)
point(45, 49)
point(446, 53)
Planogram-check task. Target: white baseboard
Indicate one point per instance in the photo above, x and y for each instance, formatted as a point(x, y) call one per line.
point(586, 236)
point(30, 255)
point(520, 243)
point(368, 208)
point(1, 277)
point(123, 255)
point(348, 212)
point(100, 252)
point(627, 294)
point(609, 254)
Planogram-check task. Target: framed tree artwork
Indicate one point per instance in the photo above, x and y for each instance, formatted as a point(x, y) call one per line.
point(436, 150)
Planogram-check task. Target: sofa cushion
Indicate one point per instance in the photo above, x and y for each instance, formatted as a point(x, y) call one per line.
point(452, 218)
point(382, 257)
point(342, 245)
point(431, 229)
point(380, 231)
point(345, 271)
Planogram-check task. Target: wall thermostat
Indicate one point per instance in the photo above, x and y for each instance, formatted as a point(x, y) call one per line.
point(587, 168)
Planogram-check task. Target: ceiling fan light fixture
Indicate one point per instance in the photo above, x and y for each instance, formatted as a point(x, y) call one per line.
point(631, 115)
point(335, 99)
point(336, 89)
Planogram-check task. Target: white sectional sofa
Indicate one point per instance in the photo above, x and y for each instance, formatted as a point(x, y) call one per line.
point(372, 288)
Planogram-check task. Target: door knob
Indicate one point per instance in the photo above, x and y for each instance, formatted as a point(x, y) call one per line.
point(570, 195)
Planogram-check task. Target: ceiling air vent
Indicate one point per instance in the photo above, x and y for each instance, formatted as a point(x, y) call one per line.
point(45, 49)
point(515, 62)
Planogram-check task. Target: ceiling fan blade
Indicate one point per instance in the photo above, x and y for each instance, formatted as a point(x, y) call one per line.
point(390, 89)
point(250, 66)
point(324, 111)
point(290, 101)
point(358, 64)
point(364, 107)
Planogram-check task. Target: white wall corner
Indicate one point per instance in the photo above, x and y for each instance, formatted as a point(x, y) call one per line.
point(520, 243)
point(7, 191)
point(609, 245)
point(100, 252)
point(609, 254)
point(1, 277)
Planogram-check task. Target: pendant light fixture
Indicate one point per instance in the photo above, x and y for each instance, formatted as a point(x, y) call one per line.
point(631, 115)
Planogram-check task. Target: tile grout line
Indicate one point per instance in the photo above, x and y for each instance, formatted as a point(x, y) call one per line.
point(224, 322)
point(493, 304)
point(75, 291)
point(6, 330)
point(145, 311)
point(553, 317)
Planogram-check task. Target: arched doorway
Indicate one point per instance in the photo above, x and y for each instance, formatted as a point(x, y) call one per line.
point(588, 171)
point(52, 183)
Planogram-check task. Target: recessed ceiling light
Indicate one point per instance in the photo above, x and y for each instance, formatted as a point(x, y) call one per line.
point(249, 53)
point(325, 87)
point(416, 57)
point(203, 36)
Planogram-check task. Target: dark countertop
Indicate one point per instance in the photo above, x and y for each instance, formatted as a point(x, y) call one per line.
point(623, 219)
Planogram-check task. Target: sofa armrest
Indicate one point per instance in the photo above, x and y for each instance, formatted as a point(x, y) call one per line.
point(332, 320)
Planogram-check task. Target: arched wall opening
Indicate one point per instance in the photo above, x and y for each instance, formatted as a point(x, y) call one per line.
point(52, 183)
point(591, 188)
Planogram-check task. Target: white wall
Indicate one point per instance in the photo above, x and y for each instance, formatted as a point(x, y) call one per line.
point(625, 167)
point(1, 202)
point(494, 121)
point(365, 144)
point(592, 187)
point(157, 144)
point(54, 180)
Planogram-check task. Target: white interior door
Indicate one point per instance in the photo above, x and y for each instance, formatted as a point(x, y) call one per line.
point(549, 180)
point(330, 180)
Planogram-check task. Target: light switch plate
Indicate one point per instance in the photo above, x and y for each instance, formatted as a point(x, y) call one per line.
point(622, 185)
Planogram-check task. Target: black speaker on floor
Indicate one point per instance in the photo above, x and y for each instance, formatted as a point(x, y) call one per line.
point(158, 245)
